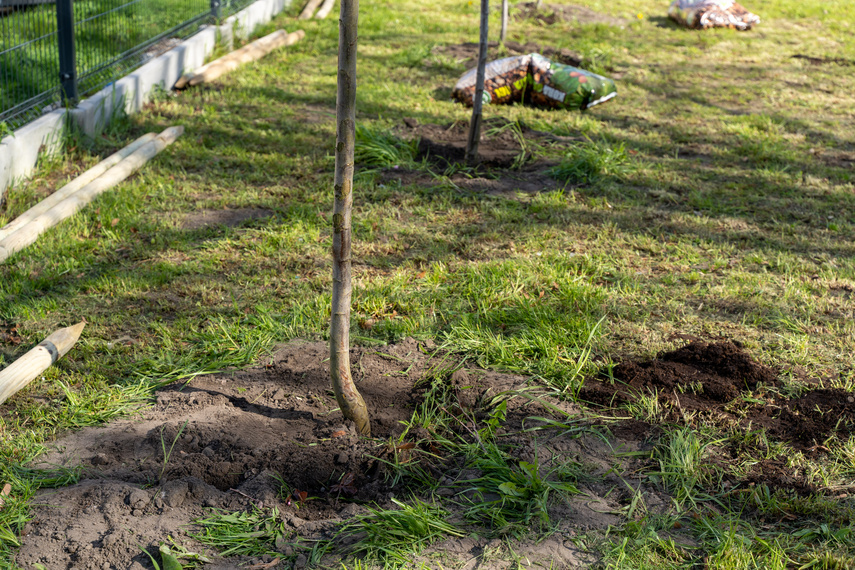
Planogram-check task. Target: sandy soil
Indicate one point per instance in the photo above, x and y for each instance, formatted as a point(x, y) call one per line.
point(229, 441)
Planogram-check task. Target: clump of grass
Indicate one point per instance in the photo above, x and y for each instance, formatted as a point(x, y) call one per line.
point(682, 467)
point(379, 148)
point(591, 161)
point(392, 537)
point(413, 56)
point(642, 546)
point(253, 533)
point(523, 492)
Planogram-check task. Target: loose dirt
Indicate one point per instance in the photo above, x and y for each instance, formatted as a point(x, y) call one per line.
point(551, 13)
point(467, 53)
point(229, 442)
point(272, 437)
point(506, 165)
point(720, 381)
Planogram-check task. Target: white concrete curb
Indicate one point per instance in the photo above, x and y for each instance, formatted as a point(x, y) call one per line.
point(20, 151)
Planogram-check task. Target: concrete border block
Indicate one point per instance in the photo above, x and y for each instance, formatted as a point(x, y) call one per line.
point(20, 151)
point(256, 14)
point(133, 91)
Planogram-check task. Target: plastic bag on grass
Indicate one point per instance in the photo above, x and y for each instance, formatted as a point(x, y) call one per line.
point(504, 81)
point(703, 14)
point(562, 86)
point(538, 81)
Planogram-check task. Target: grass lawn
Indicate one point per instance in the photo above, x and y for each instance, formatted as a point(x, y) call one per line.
point(727, 210)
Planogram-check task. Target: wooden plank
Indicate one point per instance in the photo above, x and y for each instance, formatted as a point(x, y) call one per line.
point(325, 10)
point(310, 8)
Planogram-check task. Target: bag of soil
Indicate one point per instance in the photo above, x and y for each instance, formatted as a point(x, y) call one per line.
point(703, 14)
point(562, 86)
point(504, 81)
point(538, 81)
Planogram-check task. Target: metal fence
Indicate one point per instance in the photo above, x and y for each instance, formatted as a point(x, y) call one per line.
point(53, 51)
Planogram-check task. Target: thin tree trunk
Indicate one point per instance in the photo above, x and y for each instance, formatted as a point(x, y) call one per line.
point(504, 33)
point(349, 400)
point(477, 102)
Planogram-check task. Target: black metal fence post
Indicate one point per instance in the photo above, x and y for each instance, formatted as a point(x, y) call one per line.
point(215, 9)
point(67, 56)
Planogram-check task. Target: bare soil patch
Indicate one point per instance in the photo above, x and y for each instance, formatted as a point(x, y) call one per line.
point(551, 13)
point(445, 145)
point(719, 381)
point(467, 53)
point(506, 165)
point(229, 218)
point(228, 442)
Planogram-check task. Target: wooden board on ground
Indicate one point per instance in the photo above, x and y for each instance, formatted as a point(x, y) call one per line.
point(250, 52)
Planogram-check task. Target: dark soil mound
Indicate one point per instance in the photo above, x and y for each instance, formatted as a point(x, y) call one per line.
point(446, 145)
point(699, 375)
point(505, 166)
point(708, 378)
point(812, 418)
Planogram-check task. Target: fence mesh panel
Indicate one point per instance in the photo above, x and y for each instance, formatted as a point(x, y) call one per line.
point(29, 62)
point(111, 37)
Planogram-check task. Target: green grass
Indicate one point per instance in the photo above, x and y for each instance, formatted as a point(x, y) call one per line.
point(391, 537)
point(715, 199)
point(684, 466)
point(376, 147)
point(253, 533)
point(513, 497)
point(591, 162)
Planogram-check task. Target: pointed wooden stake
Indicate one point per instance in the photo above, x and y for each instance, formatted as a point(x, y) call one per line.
point(231, 61)
point(73, 186)
point(325, 10)
point(25, 369)
point(28, 234)
point(310, 8)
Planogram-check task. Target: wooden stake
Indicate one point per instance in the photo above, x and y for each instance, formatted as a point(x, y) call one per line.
point(250, 52)
point(73, 186)
point(25, 369)
point(325, 10)
point(72, 204)
point(504, 31)
point(310, 8)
